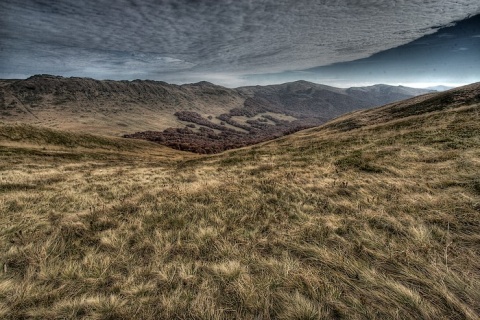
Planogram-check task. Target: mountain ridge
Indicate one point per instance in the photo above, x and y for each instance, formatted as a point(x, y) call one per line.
point(200, 117)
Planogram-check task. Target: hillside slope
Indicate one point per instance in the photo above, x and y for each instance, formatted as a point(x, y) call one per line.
point(108, 107)
point(21, 140)
point(200, 117)
point(306, 99)
point(372, 216)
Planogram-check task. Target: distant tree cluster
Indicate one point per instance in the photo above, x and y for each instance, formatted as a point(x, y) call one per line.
point(193, 117)
point(204, 136)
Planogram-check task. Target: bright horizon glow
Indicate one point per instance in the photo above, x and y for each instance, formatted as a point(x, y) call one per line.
point(419, 85)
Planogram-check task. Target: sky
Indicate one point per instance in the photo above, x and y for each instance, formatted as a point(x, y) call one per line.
point(244, 42)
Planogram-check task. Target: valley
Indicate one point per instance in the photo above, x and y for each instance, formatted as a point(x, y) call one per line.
point(200, 117)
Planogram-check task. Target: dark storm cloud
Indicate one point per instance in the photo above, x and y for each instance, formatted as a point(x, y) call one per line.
point(180, 40)
point(450, 56)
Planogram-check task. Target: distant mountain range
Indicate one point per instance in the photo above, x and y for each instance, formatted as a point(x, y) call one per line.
point(439, 88)
point(200, 117)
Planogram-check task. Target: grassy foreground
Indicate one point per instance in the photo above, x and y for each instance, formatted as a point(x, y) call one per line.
point(373, 222)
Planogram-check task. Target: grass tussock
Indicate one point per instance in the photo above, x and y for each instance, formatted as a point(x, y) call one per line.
point(373, 223)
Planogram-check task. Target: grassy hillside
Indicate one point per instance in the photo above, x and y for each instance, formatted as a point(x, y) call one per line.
point(372, 216)
point(108, 107)
point(22, 140)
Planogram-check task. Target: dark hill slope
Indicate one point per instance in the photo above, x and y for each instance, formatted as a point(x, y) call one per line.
point(380, 94)
point(302, 98)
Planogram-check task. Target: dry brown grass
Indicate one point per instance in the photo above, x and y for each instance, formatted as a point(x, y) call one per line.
point(374, 223)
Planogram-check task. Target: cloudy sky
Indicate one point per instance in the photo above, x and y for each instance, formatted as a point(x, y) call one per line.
point(244, 42)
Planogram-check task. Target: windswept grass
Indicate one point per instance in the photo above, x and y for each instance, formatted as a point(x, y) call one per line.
point(26, 143)
point(379, 222)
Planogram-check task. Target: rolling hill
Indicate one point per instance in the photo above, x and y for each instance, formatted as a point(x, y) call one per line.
point(200, 117)
point(373, 215)
point(108, 107)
